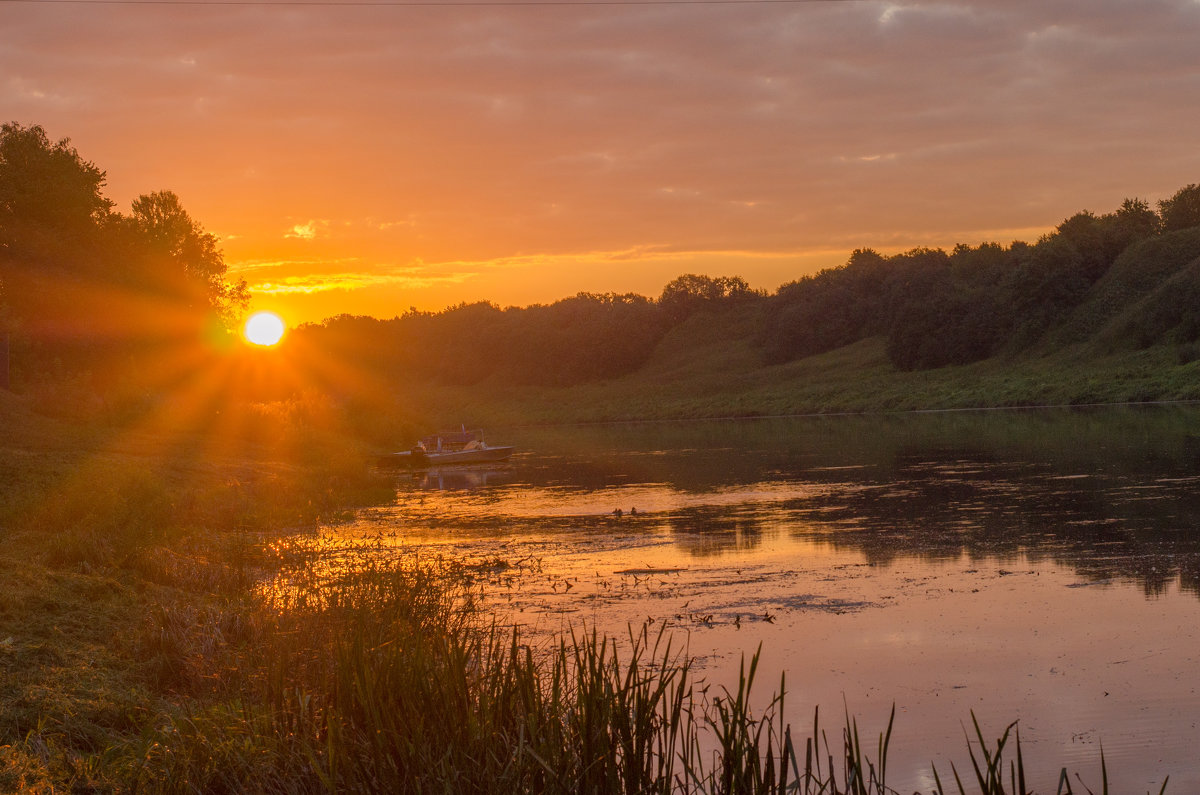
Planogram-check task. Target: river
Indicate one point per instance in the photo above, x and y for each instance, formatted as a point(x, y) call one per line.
point(1038, 566)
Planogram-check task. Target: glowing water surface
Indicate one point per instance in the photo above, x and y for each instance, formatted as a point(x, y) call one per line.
point(1040, 566)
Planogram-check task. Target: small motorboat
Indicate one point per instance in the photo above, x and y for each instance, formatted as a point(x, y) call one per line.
point(448, 448)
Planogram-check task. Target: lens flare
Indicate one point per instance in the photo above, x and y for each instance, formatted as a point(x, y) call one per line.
point(263, 328)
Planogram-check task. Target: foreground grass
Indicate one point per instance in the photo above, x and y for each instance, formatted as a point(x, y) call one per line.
point(162, 630)
point(124, 551)
point(381, 677)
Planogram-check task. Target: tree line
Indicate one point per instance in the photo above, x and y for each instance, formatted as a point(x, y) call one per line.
point(583, 338)
point(938, 308)
point(934, 308)
point(86, 288)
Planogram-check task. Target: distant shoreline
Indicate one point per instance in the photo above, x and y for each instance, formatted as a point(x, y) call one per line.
point(868, 413)
point(717, 377)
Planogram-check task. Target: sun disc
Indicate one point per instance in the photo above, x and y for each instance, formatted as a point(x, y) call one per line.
point(263, 328)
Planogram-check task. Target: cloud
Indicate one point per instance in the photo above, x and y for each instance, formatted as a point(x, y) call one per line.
point(247, 268)
point(478, 136)
point(352, 281)
point(307, 231)
point(30, 92)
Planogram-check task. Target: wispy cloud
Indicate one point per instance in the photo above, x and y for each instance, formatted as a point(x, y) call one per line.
point(308, 230)
point(247, 268)
point(350, 282)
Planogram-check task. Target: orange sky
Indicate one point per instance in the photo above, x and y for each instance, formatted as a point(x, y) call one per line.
point(366, 158)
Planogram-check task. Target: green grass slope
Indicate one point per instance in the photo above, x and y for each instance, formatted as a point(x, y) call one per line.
point(1168, 315)
point(713, 376)
point(1140, 270)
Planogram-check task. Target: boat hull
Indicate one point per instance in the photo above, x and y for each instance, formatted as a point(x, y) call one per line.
point(410, 459)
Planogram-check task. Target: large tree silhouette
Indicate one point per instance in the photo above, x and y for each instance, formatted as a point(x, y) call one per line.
point(84, 286)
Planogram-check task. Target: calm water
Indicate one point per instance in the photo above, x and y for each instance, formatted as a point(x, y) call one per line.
point(1041, 566)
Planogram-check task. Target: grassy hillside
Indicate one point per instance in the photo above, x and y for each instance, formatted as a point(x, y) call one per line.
point(1120, 295)
point(710, 367)
point(1167, 315)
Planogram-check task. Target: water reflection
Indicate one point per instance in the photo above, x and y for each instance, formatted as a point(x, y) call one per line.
point(1112, 493)
point(462, 478)
point(949, 563)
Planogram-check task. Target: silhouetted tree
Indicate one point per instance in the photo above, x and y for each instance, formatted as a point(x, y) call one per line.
point(50, 214)
point(47, 191)
point(578, 339)
point(835, 307)
point(1182, 210)
point(686, 294)
point(1134, 221)
point(1100, 240)
point(466, 341)
point(583, 338)
point(1085, 233)
point(182, 256)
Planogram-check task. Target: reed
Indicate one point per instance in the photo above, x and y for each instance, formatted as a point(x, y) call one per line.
point(385, 677)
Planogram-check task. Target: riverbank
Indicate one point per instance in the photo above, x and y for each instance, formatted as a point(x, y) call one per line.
point(128, 553)
point(709, 368)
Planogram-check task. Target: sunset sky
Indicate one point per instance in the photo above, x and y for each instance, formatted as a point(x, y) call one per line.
point(368, 158)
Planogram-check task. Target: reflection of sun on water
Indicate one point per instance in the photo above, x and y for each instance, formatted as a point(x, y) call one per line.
point(263, 328)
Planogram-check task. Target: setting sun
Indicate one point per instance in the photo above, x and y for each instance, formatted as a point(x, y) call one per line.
point(263, 328)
